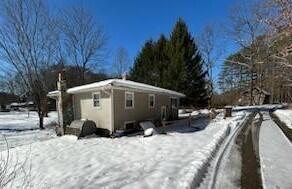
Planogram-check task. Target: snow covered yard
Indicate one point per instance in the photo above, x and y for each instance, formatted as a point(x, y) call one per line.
point(19, 128)
point(173, 160)
point(285, 116)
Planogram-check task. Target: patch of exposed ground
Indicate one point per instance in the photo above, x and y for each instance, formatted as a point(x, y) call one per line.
point(249, 140)
point(225, 170)
point(282, 126)
point(239, 163)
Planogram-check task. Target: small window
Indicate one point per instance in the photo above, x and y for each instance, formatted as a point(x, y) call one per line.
point(96, 100)
point(163, 112)
point(151, 101)
point(174, 103)
point(129, 100)
point(129, 125)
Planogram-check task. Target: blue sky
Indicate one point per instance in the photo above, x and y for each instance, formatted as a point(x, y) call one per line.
point(129, 23)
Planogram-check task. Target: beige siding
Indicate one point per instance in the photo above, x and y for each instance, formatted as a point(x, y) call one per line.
point(83, 109)
point(141, 110)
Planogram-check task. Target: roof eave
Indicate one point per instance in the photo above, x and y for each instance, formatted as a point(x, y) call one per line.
point(91, 89)
point(53, 94)
point(173, 93)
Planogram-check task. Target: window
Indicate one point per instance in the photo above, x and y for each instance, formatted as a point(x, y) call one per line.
point(163, 113)
point(151, 100)
point(129, 100)
point(174, 103)
point(96, 100)
point(129, 125)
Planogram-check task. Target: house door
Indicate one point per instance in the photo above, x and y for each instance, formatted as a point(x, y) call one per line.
point(163, 112)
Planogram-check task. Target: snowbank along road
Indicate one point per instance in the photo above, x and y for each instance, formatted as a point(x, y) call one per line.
point(257, 154)
point(276, 155)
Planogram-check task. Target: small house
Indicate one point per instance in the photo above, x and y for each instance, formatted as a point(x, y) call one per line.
point(259, 96)
point(5, 100)
point(120, 104)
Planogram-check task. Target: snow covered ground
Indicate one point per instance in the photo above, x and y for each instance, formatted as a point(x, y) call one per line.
point(265, 106)
point(225, 167)
point(173, 160)
point(196, 113)
point(275, 154)
point(19, 121)
point(285, 116)
point(19, 128)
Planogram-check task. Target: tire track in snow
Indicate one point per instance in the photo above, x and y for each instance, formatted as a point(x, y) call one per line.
point(225, 149)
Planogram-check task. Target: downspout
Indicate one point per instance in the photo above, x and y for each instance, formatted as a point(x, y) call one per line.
point(112, 110)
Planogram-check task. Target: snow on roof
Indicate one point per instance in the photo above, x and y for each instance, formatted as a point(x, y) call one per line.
point(53, 93)
point(14, 104)
point(88, 87)
point(259, 89)
point(21, 103)
point(124, 84)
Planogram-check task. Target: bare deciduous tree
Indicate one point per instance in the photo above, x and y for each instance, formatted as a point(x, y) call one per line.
point(245, 30)
point(121, 61)
point(28, 38)
point(84, 39)
point(208, 42)
point(277, 15)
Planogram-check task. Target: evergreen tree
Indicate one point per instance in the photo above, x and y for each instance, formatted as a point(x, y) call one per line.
point(186, 72)
point(174, 64)
point(161, 61)
point(143, 65)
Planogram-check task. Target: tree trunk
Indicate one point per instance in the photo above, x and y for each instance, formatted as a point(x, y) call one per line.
point(41, 120)
point(45, 106)
point(251, 90)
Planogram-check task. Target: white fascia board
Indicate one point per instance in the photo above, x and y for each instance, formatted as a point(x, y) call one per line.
point(84, 90)
point(145, 87)
point(89, 87)
point(148, 91)
point(124, 84)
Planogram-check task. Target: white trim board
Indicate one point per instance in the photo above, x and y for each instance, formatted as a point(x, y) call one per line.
point(92, 98)
point(149, 96)
point(133, 100)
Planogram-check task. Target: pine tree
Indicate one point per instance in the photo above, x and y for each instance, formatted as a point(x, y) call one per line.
point(143, 65)
point(186, 70)
point(174, 64)
point(161, 61)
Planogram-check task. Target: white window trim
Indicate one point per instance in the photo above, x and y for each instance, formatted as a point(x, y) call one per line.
point(177, 103)
point(127, 122)
point(163, 108)
point(96, 107)
point(149, 96)
point(133, 104)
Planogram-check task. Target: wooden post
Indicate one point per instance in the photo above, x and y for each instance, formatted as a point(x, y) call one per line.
point(163, 122)
point(228, 111)
point(190, 119)
point(61, 85)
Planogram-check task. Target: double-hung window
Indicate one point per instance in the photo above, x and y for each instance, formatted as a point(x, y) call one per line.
point(129, 100)
point(174, 103)
point(151, 101)
point(96, 100)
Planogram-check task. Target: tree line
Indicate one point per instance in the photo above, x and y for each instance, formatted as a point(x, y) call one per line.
point(263, 32)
